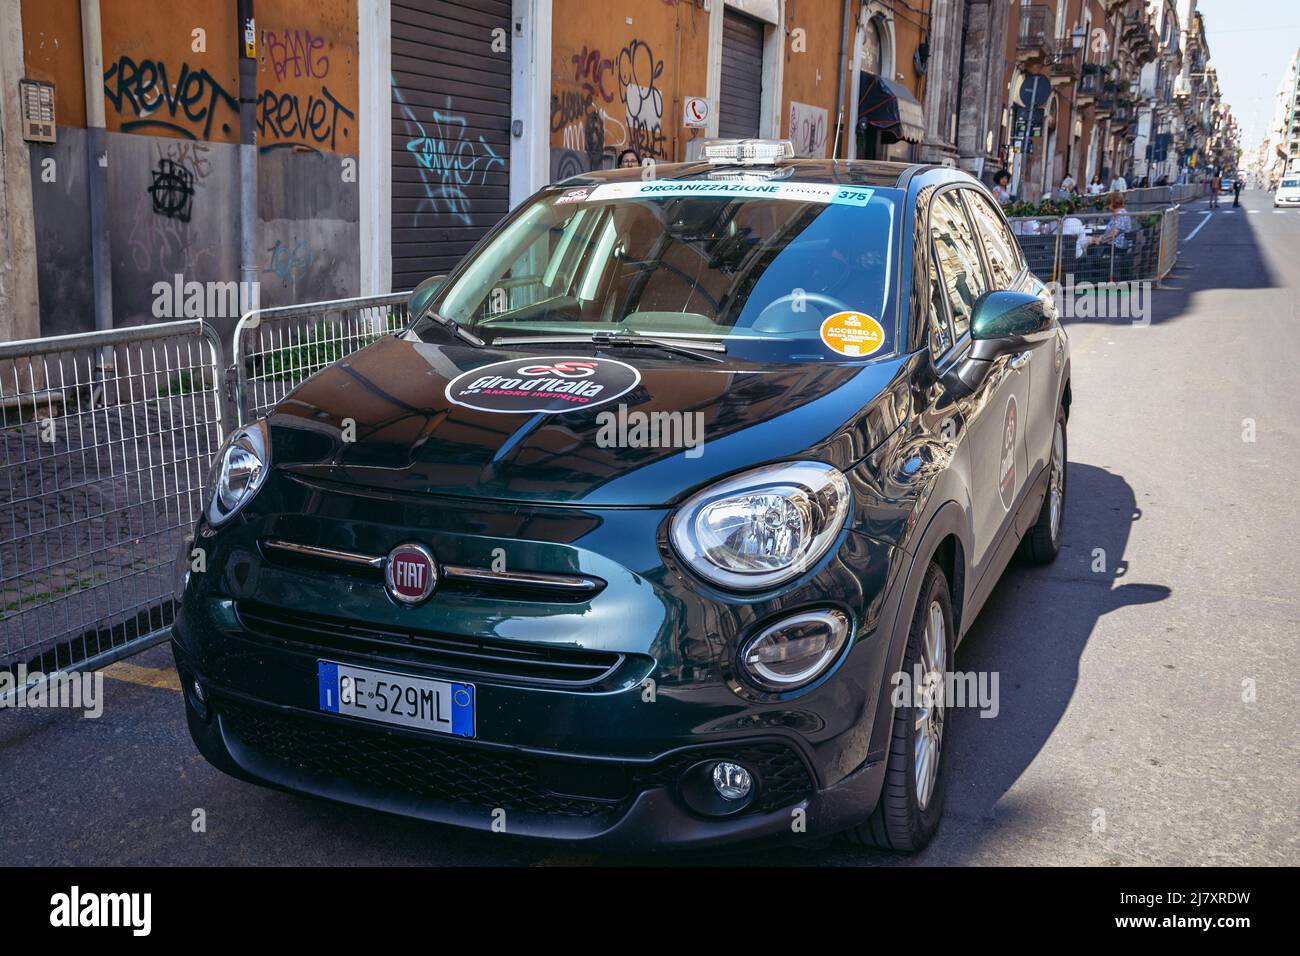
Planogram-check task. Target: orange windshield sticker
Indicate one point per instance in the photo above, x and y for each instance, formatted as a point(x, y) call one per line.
point(855, 334)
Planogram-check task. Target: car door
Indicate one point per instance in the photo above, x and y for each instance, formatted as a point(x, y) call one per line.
point(1007, 270)
point(995, 411)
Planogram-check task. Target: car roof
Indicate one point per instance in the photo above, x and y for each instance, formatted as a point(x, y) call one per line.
point(855, 172)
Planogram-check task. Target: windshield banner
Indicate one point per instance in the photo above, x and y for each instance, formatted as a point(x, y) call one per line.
point(795, 192)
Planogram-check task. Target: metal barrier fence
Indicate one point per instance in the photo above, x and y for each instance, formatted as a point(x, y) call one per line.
point(1099, 247)
point(277, 349)
point(1163, 196)
point(107, 439)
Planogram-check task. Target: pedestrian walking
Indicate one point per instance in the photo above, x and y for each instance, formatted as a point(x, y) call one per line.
point(1216, 183)
point(1237, 185)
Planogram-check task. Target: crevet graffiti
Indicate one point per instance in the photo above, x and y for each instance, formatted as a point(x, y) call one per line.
point(287, 120)
point(448, 160)
point(195, 105)
point(187, 107)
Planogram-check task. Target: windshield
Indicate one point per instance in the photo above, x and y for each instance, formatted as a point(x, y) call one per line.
point(775, 271)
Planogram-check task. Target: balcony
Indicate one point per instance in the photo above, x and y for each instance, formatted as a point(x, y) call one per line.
point(1104, 106)
point(1140, 36)
point(1090, 82)
point(1037, 31)
point(1063, 60)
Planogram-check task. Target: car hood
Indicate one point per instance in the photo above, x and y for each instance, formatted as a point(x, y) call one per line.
point(382, 418)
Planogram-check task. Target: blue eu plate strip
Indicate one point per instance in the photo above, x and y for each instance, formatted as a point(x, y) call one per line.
point(328, 676)
point(462, 710)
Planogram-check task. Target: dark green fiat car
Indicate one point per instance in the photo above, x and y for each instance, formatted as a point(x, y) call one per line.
point(628, 536)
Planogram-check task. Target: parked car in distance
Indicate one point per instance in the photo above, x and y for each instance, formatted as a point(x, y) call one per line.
point(630, 535)
point(1288, 192)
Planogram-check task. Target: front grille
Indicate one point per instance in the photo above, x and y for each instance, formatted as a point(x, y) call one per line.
point(393, 761)
point(460, 773)
point(508, 661)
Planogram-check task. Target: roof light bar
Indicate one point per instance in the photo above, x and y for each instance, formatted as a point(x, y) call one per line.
point(747, 152)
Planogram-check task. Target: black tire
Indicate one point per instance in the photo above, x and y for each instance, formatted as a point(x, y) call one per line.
point(1042, 543)
point(900, 821)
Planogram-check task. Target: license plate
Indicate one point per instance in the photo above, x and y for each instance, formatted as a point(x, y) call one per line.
point(438, 705)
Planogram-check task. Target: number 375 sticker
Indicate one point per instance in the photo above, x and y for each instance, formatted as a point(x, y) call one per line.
point(854, 334)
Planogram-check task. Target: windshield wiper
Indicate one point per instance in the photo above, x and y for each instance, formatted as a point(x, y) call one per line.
point(699, 350)
point(454, 328)
point(627, 340)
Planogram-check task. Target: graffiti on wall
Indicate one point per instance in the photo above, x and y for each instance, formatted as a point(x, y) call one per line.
point(288, 261)
point(638, 71)
point(808, 130)
point(147, 95)
point(296, 118)
point(449, 161)
point(172, 190)
point(151, 95)
point(585, 133)
point(297, 53)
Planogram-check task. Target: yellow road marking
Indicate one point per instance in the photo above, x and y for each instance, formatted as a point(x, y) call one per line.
point(165, 678)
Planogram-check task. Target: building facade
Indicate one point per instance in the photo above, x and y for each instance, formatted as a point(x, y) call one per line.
point(379, 140)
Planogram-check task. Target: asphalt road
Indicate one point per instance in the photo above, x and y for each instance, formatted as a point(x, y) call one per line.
point(1124, 734)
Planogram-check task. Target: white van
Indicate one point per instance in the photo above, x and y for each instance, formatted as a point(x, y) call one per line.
point(1288, 191)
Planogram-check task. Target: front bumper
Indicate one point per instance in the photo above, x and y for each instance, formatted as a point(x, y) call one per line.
point(606, 802)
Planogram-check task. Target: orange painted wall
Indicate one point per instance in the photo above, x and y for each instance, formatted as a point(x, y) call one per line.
point(52, 52)
point(812, 55)
point(618, 80)
point(162, 80)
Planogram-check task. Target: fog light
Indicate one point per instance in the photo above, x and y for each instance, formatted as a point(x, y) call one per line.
point(732, 781)
point(795, 650)
point(198, 692)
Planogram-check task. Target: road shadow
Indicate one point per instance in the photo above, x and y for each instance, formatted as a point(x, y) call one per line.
point(1031, 634)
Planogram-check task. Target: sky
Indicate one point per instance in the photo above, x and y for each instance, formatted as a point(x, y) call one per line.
point(1251, 44)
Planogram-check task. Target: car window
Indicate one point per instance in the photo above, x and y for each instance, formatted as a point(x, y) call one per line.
point(763, 267)
point(940, 329)
point(960, 269)
point(1000, 249)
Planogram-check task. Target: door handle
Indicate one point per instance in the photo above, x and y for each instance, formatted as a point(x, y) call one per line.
point(1020, 360)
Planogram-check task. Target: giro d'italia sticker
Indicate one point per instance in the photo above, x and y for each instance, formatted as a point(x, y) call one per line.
point(1007, 460)
point(550, 384)
point(854, 334)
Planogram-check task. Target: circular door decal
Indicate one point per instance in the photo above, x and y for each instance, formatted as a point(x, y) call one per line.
point(854, 334)
point(1007, 460)
point(550, 384)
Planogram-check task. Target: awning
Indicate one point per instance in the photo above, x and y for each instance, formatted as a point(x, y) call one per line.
point(890, 108)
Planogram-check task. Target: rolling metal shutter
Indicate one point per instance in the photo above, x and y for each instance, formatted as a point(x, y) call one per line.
point(451, 131)
point(741, 91)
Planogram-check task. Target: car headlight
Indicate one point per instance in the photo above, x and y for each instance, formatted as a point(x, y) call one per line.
point(763, 527)
point(239, 471)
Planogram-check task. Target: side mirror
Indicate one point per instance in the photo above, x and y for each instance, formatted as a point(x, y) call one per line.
point(423, 294)
point(1003, 322)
